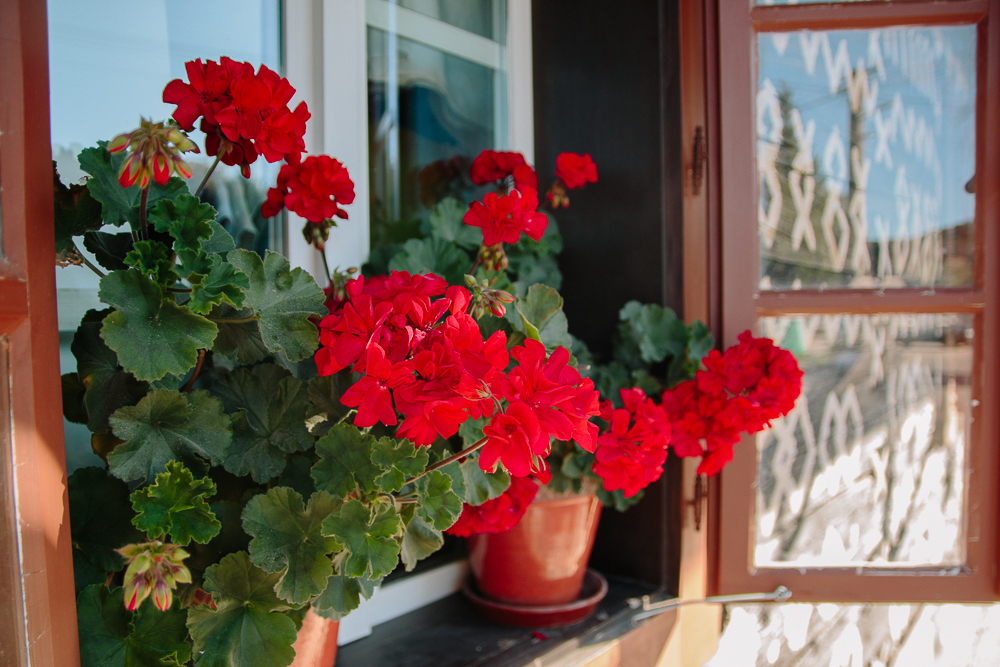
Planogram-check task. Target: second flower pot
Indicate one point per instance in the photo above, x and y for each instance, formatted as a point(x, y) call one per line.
point(543, 559)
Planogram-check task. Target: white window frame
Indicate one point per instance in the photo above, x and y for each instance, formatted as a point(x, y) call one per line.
point(326, 57)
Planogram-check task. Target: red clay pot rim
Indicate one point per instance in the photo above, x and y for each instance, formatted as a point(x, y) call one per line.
point(592, 577)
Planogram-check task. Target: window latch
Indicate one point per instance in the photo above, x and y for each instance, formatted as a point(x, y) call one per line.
point(699, 154)
point(650, 609)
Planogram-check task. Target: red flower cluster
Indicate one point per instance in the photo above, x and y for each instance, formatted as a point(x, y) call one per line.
point(741, 390)
point(503, 217)
point(436, 373)
point(547, 399)
point(314, 189)
point(243, 114)
point(498, 515)
point(630, 454)
point(495, 166)
point(575, 170)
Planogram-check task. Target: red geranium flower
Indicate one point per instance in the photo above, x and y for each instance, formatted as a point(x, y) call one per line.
point(314, 189)
point(515, 439)
point(498, 515)
point(205, 95)
point(575, 170)
point(631, 453)
point(503, 218)
point(491, 166)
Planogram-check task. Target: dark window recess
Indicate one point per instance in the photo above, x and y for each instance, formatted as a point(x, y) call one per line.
point(606, 82)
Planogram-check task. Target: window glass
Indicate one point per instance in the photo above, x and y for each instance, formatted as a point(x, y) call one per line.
point(436, 97)
point(866, 156)
point(480, 17)
point(869, 468)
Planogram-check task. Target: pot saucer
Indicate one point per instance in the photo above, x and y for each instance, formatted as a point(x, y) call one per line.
point(595, 587)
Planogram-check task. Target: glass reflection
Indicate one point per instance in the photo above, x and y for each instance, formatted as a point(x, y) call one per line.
point(866, 157)
point(868, 469)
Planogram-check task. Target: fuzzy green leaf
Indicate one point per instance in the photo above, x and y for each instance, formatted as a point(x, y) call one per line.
point(345, 461)
point(445, 222)
point(76, 213)
point(437, 504)
point(480, 485)
point(176, 504)
point(433, 255)
point(243, 338)
point(325, 393)
point(287, 539)
point(399, 460)
point(248, 628)
point(112, 636)
point(109, 249)
point(151, 335)
point(165, 426)
point(120, 205)
point(542, 317)
point(342, 595)
point(284, 299)
point(269, 413)
point(369, 537)
point(152, 259)
point(108, 385)
point(73, 393)
point(648, 334)
point(220, 241)
point(224, 282)
point(186, 219)
point(100, 520)
point(419, 541)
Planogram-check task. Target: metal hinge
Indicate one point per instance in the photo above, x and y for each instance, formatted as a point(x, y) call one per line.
point(649, 609)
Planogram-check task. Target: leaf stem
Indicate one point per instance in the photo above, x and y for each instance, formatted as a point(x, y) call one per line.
point(86, 262)
point(451, 459)
point(350, 412)
point(142, 212)
point(208, 175)
point(232, 320)
point(194, 376)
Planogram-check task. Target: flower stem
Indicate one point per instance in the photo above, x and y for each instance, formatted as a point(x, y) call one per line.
point(194, 376)
point(454, 457)
point(90, 266)
point(326, 266)
point(142, 213)
point(208, 175)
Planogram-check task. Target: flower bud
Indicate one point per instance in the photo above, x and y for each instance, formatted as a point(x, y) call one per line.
point(156, 149)
point(470, 281)
point(497, 309)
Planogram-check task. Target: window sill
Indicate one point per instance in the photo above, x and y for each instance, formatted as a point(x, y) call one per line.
point(449, 633)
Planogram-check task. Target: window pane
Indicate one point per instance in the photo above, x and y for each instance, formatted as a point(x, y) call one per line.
point(109, 61)
point(866, 148)
point(481, 17)
point(12, 640)
point(434, 103)
point(869, 468)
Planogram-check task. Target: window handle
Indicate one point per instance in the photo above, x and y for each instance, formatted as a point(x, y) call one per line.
point(699, 154)
point(650, 609)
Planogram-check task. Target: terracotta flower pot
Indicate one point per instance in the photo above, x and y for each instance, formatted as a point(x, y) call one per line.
point(542, 560)
point(316, 643)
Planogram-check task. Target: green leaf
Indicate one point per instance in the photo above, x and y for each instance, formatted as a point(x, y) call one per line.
point(542, 317)
point(472, 430)
point(186, 219)
point(324, 394)
point(445, 223)
point(76, 213)
point(437, 504)
point(73, 392)
point(220, 241)
point(529, 269)
point(287, 539)
point(617, 498)
point(100, 518)
point(342, 595)
point(297, 475)
point(284, 300)
point(369, 537)
point(480, 485)
point(399, 460)
point(345, 461)
point(700, 342)
point(419, 541)
point(152, 259)
point(165, 426)
point(120, 205)
point(648, 334)
point(269, 419)
point(112, 636)
point(109, 249)
point(152, 335)
point(248, 628)
point(176, 504)
point(433, 255)
point(243, 338)
point(224, 282)
point(109, 386)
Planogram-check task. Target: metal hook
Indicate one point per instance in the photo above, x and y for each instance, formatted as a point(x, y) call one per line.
point(649, 609)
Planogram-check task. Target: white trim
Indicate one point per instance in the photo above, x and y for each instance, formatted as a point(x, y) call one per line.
point(520, 80)
point(434, 33)
point(401, 597)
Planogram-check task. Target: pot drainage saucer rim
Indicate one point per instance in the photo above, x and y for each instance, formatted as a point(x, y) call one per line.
point(595, 587)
